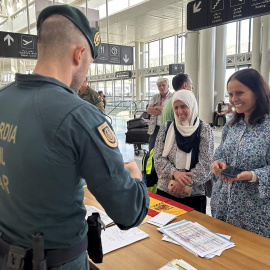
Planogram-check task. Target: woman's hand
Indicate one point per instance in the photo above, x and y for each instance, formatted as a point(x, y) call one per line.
point(218, 166)
point(246, 175)
point(183, 178)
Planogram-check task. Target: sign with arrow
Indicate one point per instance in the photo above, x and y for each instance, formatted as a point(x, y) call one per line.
point(15, 45)
point(198, 9)
point(115, 54)
point(207, 13)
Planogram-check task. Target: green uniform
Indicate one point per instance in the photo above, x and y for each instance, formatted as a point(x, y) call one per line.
point(167, 112)
point(91, 96)
point(49, 140)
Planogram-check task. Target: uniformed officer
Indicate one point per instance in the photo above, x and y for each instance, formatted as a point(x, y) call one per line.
point(50, 139)
point(90, 95)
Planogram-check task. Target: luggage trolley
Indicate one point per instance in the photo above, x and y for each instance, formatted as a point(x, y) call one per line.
point(137, 129)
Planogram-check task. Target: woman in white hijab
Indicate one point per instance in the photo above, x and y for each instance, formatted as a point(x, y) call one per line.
point(184, 153)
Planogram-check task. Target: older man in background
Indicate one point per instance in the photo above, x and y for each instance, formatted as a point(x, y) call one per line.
point(155, 108)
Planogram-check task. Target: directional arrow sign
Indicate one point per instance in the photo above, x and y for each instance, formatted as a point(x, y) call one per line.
point(125, 59)
point(115, 54)
point(196, 7)
point(197, 11)
point(207, 13)
point(9, 38)
point(15, 45)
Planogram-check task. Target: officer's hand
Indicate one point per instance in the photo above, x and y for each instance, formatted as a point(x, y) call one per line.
point(133, 169)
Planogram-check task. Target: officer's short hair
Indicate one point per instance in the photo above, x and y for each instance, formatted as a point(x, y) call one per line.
point(162, 80)
point(78, 19)
point(178, 80)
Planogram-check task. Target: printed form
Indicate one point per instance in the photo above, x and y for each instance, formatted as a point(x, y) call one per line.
point(113, 238)
point(195, 237)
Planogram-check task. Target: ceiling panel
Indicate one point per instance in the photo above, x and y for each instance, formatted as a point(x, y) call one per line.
point(148, 21)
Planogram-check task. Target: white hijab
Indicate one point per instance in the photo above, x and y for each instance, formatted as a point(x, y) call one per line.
point(185, 128)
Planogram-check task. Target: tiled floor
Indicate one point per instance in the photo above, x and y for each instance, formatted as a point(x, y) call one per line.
point(119, 124)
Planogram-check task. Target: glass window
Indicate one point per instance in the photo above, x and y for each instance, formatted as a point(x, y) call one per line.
point(101, 87)
point(146, 87)
point(231, 38)
point(128, 88)
point(108, 89)
point(251, 33)
point(100, 68)
point(244, 36)
point(118, 68)
point(181, 48)
point(168, 50)
point(229, 72)
point(93, 85)
point(118, 90)
point(93, 69)
point(154, 54)
point(153, 86)
point(146, 46)
point(108, 68)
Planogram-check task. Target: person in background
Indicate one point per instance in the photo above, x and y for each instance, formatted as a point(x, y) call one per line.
point(103, 98)
point(155, 107)
point(90, 95)
point(180, 81)
point(184, 152)
point(53, 140)
point(244, 200)
point(221, 111)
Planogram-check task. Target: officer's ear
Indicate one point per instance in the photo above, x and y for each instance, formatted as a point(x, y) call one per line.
point(78, 54)
point(184, 86)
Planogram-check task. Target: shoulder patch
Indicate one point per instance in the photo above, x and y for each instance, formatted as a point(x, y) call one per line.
point(108, 135)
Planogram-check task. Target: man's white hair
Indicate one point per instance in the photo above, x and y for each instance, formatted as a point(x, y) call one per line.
point(162, 80)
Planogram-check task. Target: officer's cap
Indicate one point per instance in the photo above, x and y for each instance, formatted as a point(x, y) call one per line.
point(79, 19)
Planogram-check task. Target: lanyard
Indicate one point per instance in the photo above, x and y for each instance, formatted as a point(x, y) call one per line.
point(161, 100)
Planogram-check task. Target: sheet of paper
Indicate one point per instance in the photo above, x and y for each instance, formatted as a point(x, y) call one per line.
point(113, 238)
point(195, 237)
point(104, 217)
point(167, 267)
point(170, 240)
point(161, 219)
point(177, 265)
point(182, 264)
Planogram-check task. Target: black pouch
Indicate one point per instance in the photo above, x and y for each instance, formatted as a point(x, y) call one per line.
point(95, 225)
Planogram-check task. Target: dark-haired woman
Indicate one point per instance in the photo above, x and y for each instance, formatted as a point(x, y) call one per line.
point(244, 201)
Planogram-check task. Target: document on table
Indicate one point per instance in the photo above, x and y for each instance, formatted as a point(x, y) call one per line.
point(196, 238)
point(161, 219)
point(104, 217)
point(177, 265)
point(113, 238)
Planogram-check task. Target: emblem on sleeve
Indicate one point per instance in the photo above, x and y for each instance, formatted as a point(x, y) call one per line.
point(108, 135)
